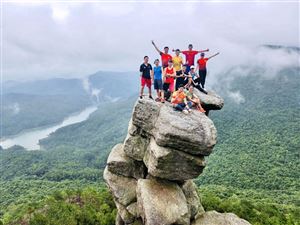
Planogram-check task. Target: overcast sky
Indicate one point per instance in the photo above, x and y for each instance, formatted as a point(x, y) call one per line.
point(42, 40)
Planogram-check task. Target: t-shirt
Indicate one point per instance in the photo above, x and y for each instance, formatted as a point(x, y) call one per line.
point(177, 61)
point(169, 71)
point(165, 59)
point(178, 97)
point(145, 70)
point(190, 56)
point(157, 72)
point(188, 94)
point(202, 63)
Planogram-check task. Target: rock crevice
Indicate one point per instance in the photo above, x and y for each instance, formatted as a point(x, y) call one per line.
point(150, 174)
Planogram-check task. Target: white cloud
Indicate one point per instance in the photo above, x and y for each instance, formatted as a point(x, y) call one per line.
point(74, 40)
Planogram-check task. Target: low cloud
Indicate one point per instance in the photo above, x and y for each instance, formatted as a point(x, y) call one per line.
point(73, 40)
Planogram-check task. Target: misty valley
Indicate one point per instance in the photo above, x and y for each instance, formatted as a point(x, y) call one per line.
point(252, 171)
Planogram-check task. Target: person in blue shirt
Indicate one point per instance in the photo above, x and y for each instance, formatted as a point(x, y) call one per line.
point(158, 81)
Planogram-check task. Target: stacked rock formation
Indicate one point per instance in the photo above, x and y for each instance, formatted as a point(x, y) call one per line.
point(150, 174)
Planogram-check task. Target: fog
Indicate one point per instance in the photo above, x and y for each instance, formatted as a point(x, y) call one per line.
point(44, 40)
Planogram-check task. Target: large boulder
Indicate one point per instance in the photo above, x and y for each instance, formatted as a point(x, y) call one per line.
point(119, 163)
point(122, 188)
point(189, 189)
point(135, 146)
point(126, 216)
point(194, 133)
point(145, 114)
point(215, 218)
point(171, 164)
point(161, 202)
point(210, 101)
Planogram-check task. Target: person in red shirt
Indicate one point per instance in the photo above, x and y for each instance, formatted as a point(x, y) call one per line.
point(201, 67)
point(169, 74)
point(190, 56)
point(165, 56)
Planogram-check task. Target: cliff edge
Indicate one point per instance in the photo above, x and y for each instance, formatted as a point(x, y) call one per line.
point(150, 174)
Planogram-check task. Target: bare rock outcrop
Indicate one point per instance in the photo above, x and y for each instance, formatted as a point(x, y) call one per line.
point(150, 174)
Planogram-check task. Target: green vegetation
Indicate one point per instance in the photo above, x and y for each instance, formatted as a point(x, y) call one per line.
point(21, 112)
point(252, 172)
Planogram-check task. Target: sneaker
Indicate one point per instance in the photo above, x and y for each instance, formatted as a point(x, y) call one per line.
point(150, 97)
point(157, 99)
point(189, 110)
point(185, 111)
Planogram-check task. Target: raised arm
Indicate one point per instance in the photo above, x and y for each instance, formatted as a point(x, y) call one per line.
point(206, 50)
point(156, 47)
point(214, 55)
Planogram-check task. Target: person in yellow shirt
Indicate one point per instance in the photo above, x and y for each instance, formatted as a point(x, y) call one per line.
point(177, 60)
point(177, 64)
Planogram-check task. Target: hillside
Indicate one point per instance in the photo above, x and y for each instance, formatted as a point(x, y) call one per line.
point(33, 104)
point(252, 171)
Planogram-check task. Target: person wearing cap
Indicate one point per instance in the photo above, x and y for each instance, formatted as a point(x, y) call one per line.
point(169, 74)
point(201, 67)
point(180, 102)
point(190, 56)
point(158, 82)
point(165, 56)
point(146, 76)
point(194, 80)
point(194, 99)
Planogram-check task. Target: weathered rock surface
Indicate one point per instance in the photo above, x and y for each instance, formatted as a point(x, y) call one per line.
point(171, 164)
point(150, 174)
point(135, 146)
point(194, 133)
point(211, 101)
point(215, 218)
point(119, 163)
point(190, 191)
point(162, 202)
point(122, 188)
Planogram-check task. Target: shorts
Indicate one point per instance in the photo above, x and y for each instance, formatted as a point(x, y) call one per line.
point(145, 81)
point(169, 86)
point(158, 84)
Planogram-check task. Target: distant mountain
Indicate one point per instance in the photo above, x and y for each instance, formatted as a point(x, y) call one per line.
point(33, 104)
point(287, 48)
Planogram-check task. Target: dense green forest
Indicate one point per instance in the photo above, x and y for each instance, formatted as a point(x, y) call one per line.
point(253, 171)
point(21, 112)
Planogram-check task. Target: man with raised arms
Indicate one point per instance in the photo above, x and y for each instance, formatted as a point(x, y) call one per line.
point(201, 67)
point(190, 56)
point(165, 56)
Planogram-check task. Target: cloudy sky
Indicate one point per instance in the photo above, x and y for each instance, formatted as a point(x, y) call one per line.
point(64, 39)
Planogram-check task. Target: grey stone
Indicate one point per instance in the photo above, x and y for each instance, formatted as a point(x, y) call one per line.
point(194, 133)
point(122, 188)
point(135, 146)
point(215, 218)
point(189, 189)
point(145, 114)
point(119, 163)
point(124, 214)
point(210, 101)
point(133, 209)
point(161, 202)
point(171, 164)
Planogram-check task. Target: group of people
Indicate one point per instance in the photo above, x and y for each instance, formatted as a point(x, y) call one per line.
point(174, 79)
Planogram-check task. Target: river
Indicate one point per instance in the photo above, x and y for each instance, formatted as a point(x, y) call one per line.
point(30, 139)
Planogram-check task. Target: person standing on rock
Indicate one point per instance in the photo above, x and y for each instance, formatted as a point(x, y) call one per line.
point(169, 77)
point(165, 56)
point(181, 77)
point(201, 67)
point(180, 102)
point(194, 99)
point(190, 56)
point(158, 82)
point(146, 77)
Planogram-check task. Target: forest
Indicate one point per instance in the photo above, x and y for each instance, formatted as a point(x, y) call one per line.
point(252, 172)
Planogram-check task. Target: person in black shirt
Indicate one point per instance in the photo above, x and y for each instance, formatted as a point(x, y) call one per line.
point(181, 77)
point(146, 76)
